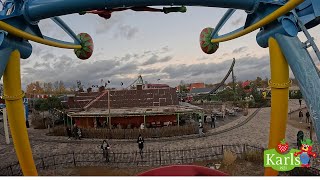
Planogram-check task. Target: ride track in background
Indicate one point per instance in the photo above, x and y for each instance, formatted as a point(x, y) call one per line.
point(279, 22)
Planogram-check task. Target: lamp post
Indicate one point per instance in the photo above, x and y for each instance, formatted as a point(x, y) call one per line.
point(33, 104)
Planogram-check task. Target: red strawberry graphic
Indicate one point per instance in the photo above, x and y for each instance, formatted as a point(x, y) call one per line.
point(283, 146)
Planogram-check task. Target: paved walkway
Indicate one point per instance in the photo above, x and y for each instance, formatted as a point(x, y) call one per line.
point(254, 132)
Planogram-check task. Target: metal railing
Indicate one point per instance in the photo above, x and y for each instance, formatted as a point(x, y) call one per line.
point(132, 159)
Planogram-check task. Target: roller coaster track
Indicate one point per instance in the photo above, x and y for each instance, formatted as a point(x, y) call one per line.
point(225, 78)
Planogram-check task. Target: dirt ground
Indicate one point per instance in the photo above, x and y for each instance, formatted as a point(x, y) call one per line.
point(239, 168)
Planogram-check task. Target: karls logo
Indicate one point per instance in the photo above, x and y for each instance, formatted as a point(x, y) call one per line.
point(279, 161)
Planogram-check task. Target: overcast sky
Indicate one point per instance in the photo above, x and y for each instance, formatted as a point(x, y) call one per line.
point(155, 45)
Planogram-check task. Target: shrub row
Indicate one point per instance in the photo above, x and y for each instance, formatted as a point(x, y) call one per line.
point(131, 133)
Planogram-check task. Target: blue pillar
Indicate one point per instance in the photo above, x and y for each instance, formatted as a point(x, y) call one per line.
point(305, 72)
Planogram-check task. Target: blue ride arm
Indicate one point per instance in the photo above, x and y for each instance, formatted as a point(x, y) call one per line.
point(305, 72)
point(41, 9)
point(4, 54)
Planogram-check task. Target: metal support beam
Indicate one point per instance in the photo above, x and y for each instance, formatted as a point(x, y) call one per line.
point(5, 125)
point(306, 72)
point(279, 84)
point(13, 96)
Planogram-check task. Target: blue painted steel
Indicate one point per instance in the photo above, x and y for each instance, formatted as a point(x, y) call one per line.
point(42, 9)
point(66, 29)
point(4, 59)
point(26, 108)
point(286, 26)
point(222, 22)
point(316, 7)
point(305, 72)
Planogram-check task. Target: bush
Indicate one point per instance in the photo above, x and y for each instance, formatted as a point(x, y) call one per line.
point(131, 133)
point(38, 121)
point(229, 158)
point(254, 156)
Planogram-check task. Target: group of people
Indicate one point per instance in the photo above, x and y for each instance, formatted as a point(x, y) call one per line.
point(212, 123)
point(307, 116)
point(105, 146)
point(75, 132)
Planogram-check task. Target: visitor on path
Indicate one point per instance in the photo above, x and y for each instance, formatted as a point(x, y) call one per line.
point(79, 133)
point(307, 117)
point(300, 116)
point(213, 121)
point(140, 142)
point(105, 150)
point(69, 133)
point(300, 101)
point(205, 118)
point(75, 131)
point(300, 137)
point(200, 128)
point(142, 126)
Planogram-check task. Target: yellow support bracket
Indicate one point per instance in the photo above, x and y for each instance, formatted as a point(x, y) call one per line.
point(280, 84)
point(19, 33)
point(14, 103)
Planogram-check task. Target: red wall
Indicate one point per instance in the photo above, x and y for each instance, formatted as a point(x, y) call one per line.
point(135, 121)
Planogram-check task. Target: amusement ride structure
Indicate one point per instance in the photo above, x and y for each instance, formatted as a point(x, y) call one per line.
point(279, 22)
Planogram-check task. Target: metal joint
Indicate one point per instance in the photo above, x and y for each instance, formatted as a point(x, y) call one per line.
point(14, 98)
point(280, 85)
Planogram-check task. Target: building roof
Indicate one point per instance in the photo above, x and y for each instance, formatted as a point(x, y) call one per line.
point(124, 99)
point(197, 85)
point(160, 110)
point(157, 86)
point(201, 90)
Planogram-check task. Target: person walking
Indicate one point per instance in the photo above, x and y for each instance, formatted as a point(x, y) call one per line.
point(69, 133)
point(105, 149)
point(300, 137)
point(200, 128)
point(75, 131)
point(140, 142)
point(307, 117)
point(300, 101)
point(300, 116)
point(213, 121)
point(79, 133)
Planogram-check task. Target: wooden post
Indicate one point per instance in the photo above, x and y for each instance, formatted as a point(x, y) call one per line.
point(311, 127)
point(64, 120)
point(42, 163)
point(144, 120)
point(160, 157)
point(170, 156)
point(178, 119)
point(109, 117)
point(222, 150)
point(74, 160)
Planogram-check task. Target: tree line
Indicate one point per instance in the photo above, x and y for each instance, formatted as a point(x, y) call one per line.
point(54, 88)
